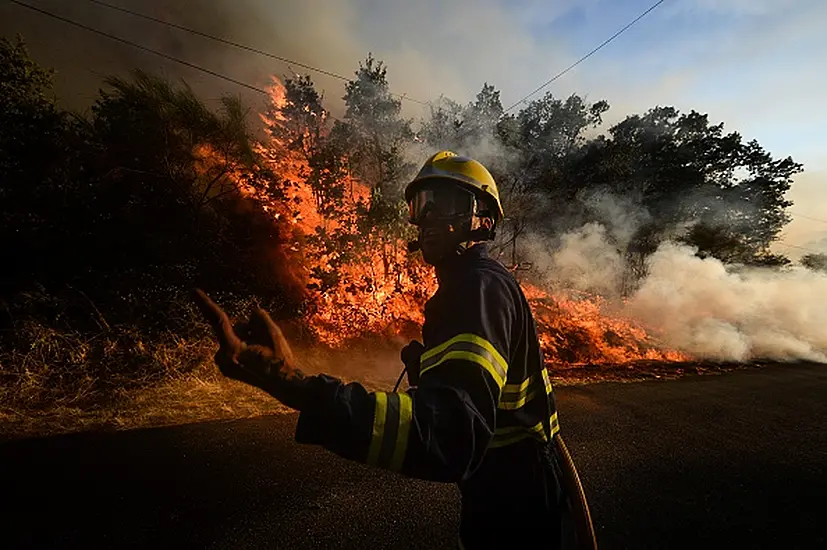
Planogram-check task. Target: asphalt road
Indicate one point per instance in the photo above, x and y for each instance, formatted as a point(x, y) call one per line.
point(736, 460)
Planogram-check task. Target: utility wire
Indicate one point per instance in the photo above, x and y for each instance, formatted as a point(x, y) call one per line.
point(588, 55)
point(238, 45)
point(795, 214)
point(140, 47)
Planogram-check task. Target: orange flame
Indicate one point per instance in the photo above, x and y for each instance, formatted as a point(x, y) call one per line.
point(380, 291)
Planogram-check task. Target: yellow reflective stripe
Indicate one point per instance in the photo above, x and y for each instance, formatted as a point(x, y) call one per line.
point(547, 381)
point(513, 434)
point(515, 388)
point(380, 412)
point(515, 396)
point(405, 417)
point(471, 339)
point(470, 347)
point(474, 358)
point(391, 426)
point(512, 402)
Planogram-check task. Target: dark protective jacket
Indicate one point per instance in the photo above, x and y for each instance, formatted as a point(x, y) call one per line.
point(482, 416)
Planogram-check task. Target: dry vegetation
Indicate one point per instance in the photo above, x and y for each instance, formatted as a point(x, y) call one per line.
point(64, 380)
point(58, 378)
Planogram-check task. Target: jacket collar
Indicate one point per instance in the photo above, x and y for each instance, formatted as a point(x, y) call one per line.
point(454, 266)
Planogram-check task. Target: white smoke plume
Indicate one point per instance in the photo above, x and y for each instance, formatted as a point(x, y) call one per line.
point(584, 261)
point(709, 311)
point(696, 305)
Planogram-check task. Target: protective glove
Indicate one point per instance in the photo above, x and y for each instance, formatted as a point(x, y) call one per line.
point(256, 353)
point(411, 355)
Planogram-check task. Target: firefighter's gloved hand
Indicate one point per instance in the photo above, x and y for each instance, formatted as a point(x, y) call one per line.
point(255, 353)
point(411, 355)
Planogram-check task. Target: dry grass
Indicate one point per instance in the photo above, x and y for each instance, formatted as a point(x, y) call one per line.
point(180, 401)
point(55, 378)
point(60, 380)
point(63, 382)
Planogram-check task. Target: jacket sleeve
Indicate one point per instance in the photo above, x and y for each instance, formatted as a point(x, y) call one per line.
point(441, 429)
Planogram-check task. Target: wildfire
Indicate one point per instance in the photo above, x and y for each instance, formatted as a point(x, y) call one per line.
point(370, 287)
point(576, 331)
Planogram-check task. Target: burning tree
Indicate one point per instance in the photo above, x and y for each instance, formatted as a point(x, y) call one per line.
point(346, 181)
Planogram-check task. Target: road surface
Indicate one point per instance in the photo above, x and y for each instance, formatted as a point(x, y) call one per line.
point(735, 460)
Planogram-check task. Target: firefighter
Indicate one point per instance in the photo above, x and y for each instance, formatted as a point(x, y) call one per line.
point(480, 411)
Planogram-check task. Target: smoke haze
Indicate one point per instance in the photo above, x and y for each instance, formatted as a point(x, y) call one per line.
point(696, 305)
point(434, 47)
point(334, 35)
point(711, 312)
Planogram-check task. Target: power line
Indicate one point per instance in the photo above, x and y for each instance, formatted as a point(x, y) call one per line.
point(588, 55)
point(240, 46)
point(140, 47)
point(808, 217)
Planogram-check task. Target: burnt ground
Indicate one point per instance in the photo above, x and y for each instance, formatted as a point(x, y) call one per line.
point(735, 460)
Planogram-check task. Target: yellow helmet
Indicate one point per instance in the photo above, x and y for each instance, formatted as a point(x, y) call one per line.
point(468, 172)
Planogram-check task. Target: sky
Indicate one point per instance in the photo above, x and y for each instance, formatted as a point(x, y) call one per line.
point(758, 66)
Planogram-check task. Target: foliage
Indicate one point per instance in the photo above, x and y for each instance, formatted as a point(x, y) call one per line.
point(815, 262)
point(365, 149)
point(678, 176)
point(118, 213)
point(128, 208)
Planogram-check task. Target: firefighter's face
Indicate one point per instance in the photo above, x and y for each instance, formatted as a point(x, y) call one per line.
point(439, 208)
point(437, 239)
point(445, 213)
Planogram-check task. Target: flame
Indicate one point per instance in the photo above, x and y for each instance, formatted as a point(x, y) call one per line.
point(578, 330)
point(381, 290)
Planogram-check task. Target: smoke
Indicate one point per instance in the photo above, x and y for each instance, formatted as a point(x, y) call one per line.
point(591, 259)
point(430, 47)
point(711, 311)
point(696, 305)
point(584, 261)
point(82, 59)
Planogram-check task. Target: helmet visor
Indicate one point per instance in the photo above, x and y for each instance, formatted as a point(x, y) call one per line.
point(441, 201)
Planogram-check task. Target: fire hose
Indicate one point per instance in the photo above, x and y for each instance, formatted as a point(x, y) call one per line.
point(583, 526)
point(399, 380)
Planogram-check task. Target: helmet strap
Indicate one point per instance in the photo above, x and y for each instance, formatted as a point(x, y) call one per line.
point(481, 234)
point(464, 235)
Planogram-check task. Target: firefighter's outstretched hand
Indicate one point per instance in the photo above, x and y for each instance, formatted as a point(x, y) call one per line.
point(256, 353)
